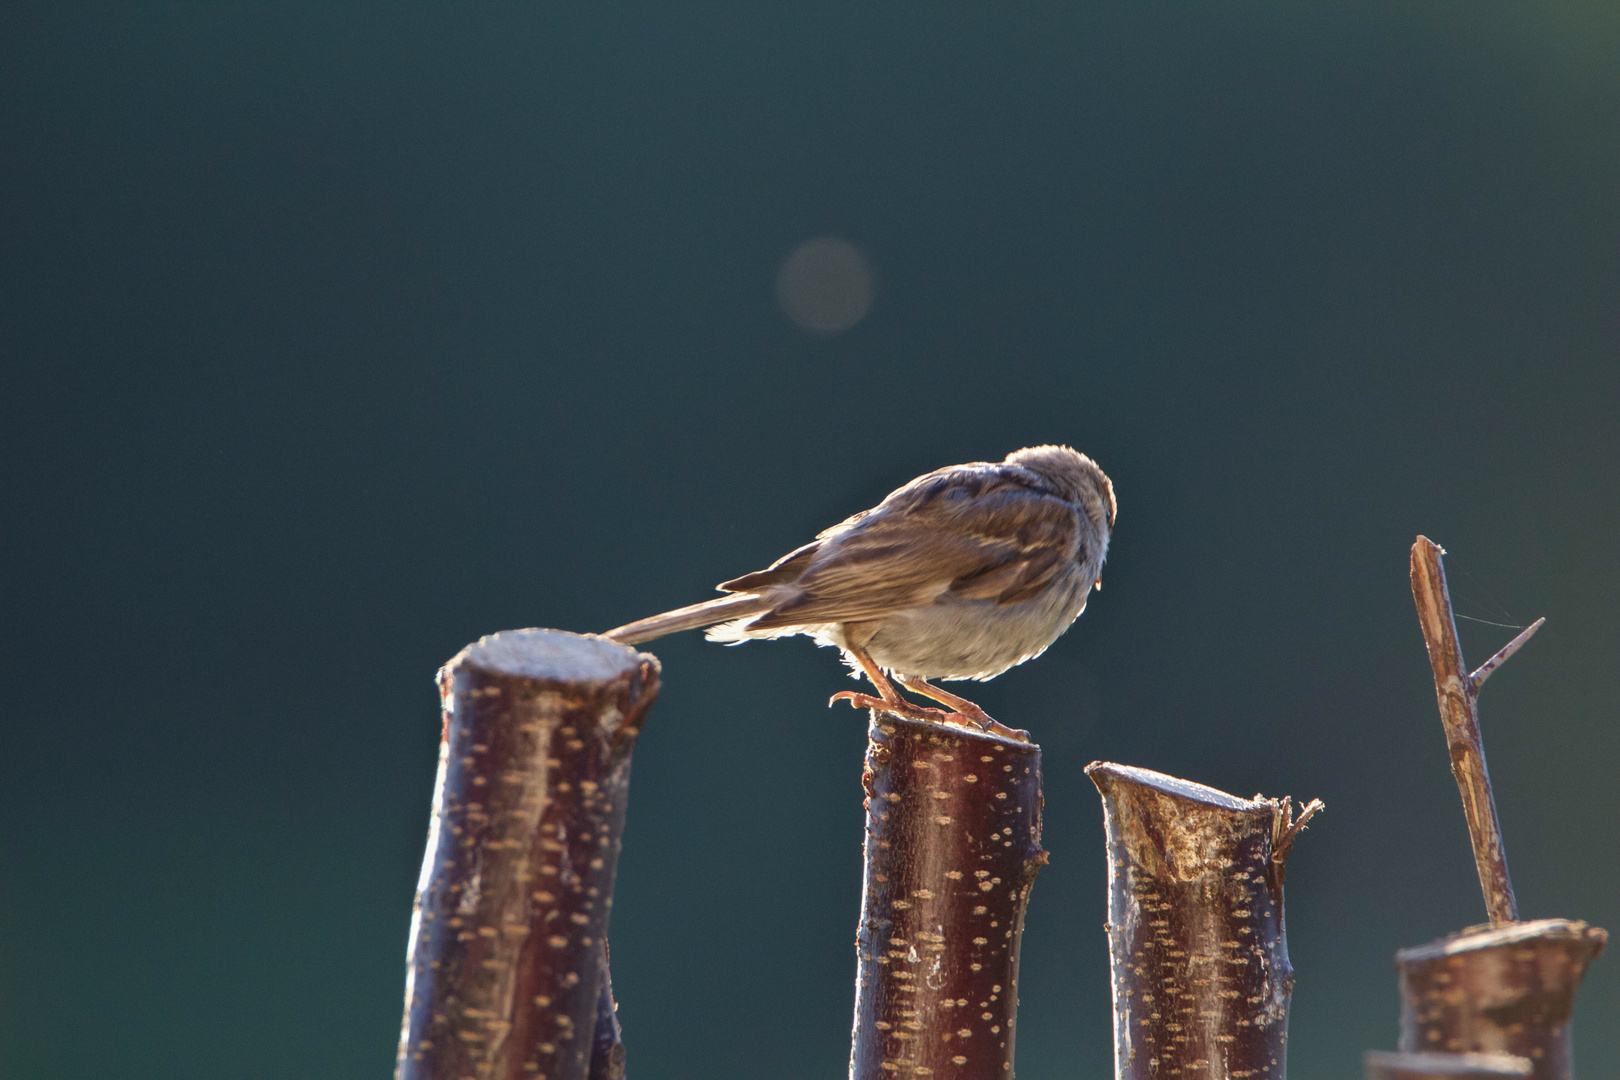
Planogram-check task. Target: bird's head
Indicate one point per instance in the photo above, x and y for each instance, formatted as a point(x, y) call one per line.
point(1076, 475)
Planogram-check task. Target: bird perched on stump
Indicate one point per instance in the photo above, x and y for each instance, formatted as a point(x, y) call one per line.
point(961, 574)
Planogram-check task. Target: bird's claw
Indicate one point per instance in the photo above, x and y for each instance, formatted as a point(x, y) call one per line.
point(898, 708)
point(981, 719)
point(921, 712)
point(996, 727)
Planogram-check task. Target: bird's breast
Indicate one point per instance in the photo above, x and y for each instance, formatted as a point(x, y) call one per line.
point(957, 638)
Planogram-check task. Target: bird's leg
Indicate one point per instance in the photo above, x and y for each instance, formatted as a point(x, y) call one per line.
point(891, 701)
point(964, 709)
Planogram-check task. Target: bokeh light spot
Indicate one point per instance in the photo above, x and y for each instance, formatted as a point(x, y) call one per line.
point(825, 286)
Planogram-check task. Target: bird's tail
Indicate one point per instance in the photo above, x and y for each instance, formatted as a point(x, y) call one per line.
point(722, 609)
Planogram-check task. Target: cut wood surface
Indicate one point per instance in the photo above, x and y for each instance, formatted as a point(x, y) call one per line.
point(1381, 1065)
point(953, 830)
point(506, 970)
point(1508, 989)
point(1197, 944)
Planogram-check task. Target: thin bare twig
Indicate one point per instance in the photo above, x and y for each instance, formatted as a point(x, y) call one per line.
point(1457, 692)
point(1477, 679)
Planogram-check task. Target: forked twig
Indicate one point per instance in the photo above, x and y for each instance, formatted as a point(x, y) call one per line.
point(1457, 692)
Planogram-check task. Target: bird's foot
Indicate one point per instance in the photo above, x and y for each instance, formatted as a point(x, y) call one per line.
point(969, 716)
point(899, 708)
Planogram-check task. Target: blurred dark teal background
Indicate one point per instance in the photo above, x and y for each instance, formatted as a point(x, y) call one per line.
point(335, 337)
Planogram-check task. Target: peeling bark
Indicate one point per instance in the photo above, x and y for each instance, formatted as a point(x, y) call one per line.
point(1381, 1065)
point(1196, 939)
point(507, 964)
point(953, 829)
point(1507, 990)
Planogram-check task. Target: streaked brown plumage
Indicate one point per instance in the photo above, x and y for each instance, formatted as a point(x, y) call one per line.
point(960, 574)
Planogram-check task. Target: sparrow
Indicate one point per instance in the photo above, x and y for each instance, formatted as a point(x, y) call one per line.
point(963, 573)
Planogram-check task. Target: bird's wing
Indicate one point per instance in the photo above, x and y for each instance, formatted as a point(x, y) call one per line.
point(780, 572)
point(981, 531)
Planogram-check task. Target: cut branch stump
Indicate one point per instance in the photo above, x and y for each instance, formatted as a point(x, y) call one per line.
point(1381, 1065)
point(1196, 939)
point(953, 830)
point(507, 964)
point(1506, 990)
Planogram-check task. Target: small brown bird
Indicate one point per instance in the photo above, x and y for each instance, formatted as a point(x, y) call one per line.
point(960, 574)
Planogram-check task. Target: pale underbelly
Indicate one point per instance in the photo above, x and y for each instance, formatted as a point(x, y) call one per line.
point(974, 639)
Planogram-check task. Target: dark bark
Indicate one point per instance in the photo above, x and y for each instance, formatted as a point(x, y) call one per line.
point(953, 830)
point(507, 965)
point(1507, 990)
point(1196, 939)
point(1458, 694)
point(1386, 1066)
point(607, 1045)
